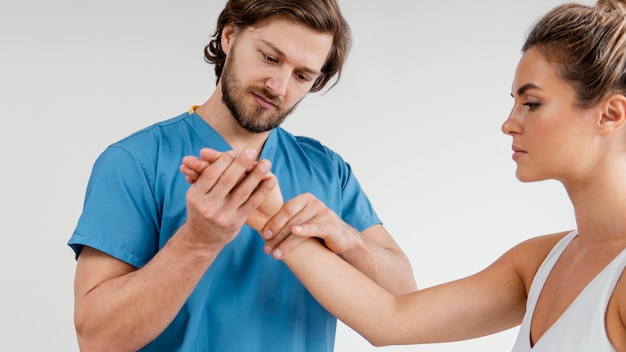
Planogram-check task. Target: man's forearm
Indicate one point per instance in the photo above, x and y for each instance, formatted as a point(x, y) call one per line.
point(127, 312)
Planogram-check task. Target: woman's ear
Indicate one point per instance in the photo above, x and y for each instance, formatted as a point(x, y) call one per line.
point(613, 113)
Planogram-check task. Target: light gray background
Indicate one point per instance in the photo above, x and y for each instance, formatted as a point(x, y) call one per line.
point(417, 114)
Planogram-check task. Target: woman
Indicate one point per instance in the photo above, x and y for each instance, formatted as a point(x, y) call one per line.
point(566, 289)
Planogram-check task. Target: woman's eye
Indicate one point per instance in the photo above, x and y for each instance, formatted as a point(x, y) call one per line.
point(531, 106)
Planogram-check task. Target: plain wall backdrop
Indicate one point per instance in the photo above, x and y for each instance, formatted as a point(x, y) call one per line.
point(417, 114)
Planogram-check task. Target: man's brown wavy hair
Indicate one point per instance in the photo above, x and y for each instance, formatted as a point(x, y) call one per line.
point(322, 16)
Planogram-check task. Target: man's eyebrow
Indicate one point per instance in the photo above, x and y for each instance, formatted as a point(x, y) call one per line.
point(526, 87)
point(282, 54)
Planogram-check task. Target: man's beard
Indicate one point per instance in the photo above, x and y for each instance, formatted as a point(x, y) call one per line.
point(254, 121)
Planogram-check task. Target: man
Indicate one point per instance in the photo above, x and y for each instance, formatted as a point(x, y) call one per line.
point(163, 266)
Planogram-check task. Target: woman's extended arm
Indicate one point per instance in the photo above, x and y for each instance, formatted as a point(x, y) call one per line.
point(485, 303)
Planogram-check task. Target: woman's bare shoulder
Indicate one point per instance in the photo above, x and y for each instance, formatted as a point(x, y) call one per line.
point(543, 243)
point(528, 255)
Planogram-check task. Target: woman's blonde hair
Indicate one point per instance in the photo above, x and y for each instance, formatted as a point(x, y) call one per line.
point(588, 46)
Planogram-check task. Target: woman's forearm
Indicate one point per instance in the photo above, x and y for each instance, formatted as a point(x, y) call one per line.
point(343, 290)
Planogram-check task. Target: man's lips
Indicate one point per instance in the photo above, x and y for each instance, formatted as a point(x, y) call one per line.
point(264, 102)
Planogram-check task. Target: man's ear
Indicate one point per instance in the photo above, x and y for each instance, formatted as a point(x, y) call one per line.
point(613, 113)
point(229, 32)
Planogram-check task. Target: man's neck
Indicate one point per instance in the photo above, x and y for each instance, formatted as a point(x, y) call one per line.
point(216, 114)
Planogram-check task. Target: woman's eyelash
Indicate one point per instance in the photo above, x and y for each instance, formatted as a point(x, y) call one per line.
point(531, 106)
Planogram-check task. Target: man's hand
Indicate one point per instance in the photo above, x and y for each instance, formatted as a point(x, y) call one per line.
point(306, 216)
point(285, 226)
point(224, 195)
point(193, 167)
point(373, 251)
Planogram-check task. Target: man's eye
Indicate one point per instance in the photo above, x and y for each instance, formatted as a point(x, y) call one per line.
point(302, 77)
point(269, 58)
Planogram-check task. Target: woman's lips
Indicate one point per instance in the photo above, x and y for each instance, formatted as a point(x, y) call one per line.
point(517, 153)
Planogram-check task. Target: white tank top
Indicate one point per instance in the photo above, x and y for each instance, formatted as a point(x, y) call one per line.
point(581, 327)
